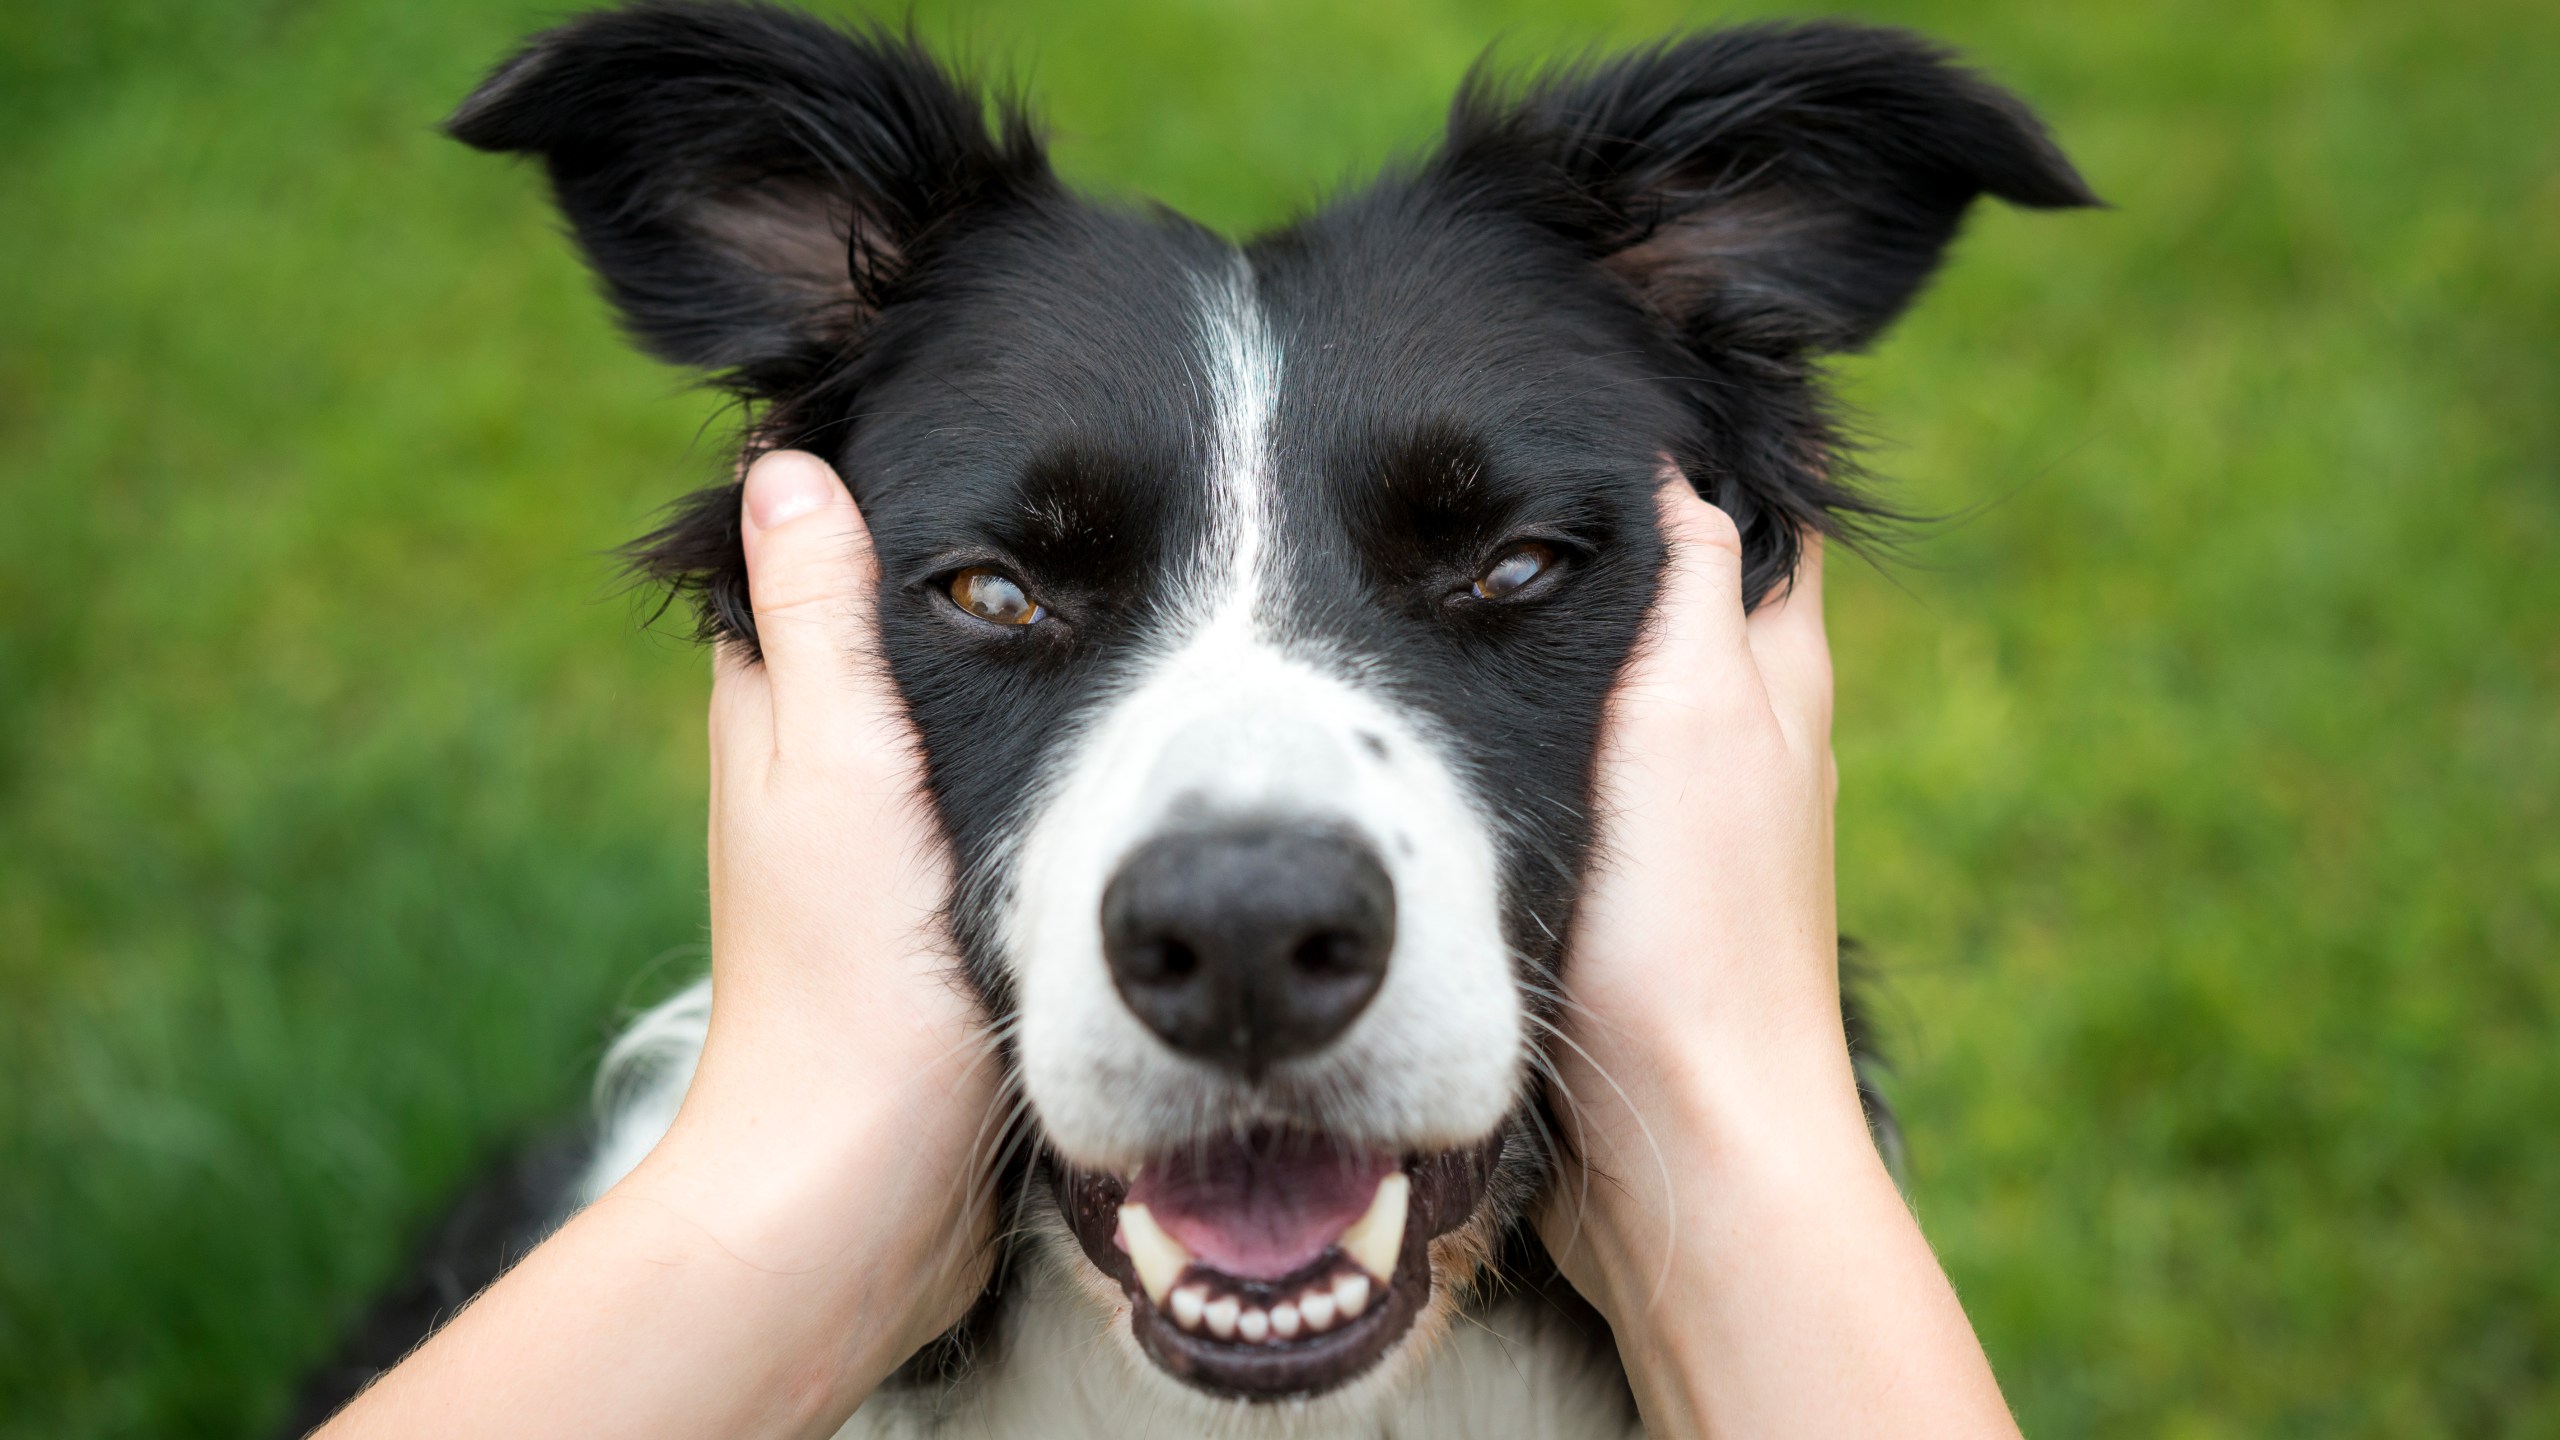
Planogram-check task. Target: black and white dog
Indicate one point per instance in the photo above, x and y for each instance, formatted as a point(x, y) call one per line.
point(1257, 605)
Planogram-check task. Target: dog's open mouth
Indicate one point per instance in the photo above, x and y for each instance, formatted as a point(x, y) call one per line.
point(1274, 1263)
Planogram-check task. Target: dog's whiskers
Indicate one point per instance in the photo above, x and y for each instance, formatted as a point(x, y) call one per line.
point(1662, 1161)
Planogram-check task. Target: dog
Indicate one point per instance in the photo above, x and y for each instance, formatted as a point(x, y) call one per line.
point(1257, 605)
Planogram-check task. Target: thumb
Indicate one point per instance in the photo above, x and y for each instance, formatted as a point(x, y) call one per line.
point(811, 578)
point(1696, 649)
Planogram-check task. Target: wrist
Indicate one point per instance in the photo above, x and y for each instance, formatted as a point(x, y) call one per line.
point(1698, 1142)
point(1746, 1075)
point(1687, 1249)
point(862, 1190)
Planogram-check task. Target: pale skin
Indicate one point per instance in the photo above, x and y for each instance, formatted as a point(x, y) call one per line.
point(808, 1222)
point(1736, 1226)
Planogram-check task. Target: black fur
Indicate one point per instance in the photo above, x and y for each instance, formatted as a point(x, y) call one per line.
point(1600, 266)
point(1610, 263)
point(1773, 193)
point(747, 181)
point(1769, 194)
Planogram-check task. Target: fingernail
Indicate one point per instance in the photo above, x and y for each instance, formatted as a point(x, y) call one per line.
point(786, 485)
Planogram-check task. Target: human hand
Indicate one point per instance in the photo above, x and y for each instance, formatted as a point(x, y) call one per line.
point(1723, 1205)
point(1704, 958)
point(841, 1039)
point(819, 1210)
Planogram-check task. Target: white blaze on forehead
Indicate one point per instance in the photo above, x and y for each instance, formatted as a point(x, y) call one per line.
point(1223, 719)
point(1244, 387)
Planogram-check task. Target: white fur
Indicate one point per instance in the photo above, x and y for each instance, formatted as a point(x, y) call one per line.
point(642, 1081)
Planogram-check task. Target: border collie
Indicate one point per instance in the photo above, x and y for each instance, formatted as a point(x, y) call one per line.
point(1257, 604)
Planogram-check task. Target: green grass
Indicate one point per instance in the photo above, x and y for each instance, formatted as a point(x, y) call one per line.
point(2201, 785)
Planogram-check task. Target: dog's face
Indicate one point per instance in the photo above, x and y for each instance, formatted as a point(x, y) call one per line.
point(1258, 605)
point(1260, 661)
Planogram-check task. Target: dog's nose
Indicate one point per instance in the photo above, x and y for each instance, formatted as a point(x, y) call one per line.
point(1246, 947)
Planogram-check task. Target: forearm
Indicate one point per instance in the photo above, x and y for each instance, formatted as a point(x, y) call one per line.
point(714, 1292)
point(1775, 1283)
point(818, 1211)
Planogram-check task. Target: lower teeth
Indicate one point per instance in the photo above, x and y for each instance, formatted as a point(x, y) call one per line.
point(1316, 1309)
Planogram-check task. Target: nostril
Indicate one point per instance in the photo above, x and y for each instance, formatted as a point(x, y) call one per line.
point(1164, 960)
point(1330, 952)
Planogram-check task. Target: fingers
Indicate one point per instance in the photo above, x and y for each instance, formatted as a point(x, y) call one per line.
point(811, 577)
point(1793, 653)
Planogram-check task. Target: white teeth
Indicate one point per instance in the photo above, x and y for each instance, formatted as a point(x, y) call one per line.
point(1229, 1318)
point(1376, 1238)
point(1158, 1258)
point(1317, 1307)
point(1351, 1292)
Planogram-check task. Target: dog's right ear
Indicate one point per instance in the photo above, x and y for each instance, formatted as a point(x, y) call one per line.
point(749, 183)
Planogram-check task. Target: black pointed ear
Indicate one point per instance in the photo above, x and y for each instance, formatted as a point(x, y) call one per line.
point(750, 183)
point(1772, 193)
point(1784, 189)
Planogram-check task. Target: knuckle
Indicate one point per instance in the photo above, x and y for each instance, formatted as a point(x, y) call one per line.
point(790, 604)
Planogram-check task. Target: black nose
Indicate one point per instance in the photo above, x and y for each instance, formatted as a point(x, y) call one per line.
point(1246, 947)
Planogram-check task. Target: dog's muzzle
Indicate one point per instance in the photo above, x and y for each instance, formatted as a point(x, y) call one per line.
point(1269, 1022)
point(1275, 1261)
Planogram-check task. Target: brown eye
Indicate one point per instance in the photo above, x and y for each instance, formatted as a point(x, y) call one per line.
point(994, 597)
point(1506, 575)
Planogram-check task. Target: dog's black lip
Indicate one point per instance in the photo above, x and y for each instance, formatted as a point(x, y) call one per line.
point(1448, 1187)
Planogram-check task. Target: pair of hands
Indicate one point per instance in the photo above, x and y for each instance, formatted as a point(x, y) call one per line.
point(819, 1209)
point(1704, 953)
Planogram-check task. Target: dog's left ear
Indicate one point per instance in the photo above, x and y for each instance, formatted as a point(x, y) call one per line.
point(1785, 189)
point(1771, 194)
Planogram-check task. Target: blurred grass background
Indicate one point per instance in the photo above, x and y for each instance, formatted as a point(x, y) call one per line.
point(2200, 785)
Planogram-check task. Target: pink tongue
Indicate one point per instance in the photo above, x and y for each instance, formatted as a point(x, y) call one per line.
point(1261, 1207)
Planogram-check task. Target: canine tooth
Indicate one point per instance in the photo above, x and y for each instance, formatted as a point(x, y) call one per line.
point(1351, 1292)
point(1377, 1238)
point(1158, 1258)
point(1317, 1306)
point(1285, 1320)
point(1254, 1326)
point(1221, 1315)
point(1187, 1304)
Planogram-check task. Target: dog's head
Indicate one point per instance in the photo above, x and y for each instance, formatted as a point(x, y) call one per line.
point(1257, 604)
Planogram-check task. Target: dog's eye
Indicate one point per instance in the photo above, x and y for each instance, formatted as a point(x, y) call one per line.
point(994, 597)
point(1504, 577)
